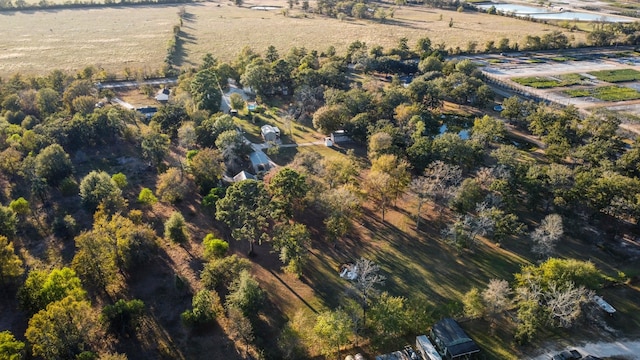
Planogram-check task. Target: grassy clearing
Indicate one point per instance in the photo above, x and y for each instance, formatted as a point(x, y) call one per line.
point(618, 75)
point(606, 93)
point(71, 39)
point(546, 82)
point(562, 58)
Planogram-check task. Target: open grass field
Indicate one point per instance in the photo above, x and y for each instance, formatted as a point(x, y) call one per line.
point(136, 37)
point(71, 39)
point(224, 30)
point(618, 75)
point(546, 82)
point(606, 93)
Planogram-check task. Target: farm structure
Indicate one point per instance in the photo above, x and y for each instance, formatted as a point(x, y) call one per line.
point(270, 133)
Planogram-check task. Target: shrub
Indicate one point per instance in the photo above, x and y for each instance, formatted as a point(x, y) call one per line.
point(65, 227)
point(205, 308)
point(146, 197)
point(175, 229)
point(20, 206)
point(69, 186)
point(123, 316)
point(222, 271)
point(214, 248)
point(120, 179)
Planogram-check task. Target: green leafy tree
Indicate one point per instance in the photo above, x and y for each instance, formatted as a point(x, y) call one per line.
point(170, 118)
point(246, 209)
point(112, 247)
point(205, 307)
point(8, 222)
point(205, 90)
point(42, 288)
point(397, 169)
point(211, 128)
point(155, 147)
point(292, 242)
point(123, 317)
point(388, 317)
point(214, 248)
point(474, 307)
point(62, 330)
point(48, 101)
point(175, 228)
point(288, 188)
point(80, 87)
point(237, 101)
point(10, 263)
point(333, 329)
point(20, 206)
point(207, 166)
point(328, 119)
point(223, 271)
point(487, 129)
point(10, 348)
point(53, 164)
point(245, 295)
point(99, 188)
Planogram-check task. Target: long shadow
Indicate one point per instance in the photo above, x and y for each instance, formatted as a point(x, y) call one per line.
point(293, 291)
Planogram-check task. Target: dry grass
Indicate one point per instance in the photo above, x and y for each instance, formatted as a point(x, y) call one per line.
point(224, 29)
point(114, 38)
point(71, 39)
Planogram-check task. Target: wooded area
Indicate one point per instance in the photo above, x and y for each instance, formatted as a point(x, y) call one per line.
point(122, 236)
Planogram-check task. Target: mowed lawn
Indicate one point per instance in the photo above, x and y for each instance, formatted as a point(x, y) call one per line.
point(136, 36)
point(36, 42)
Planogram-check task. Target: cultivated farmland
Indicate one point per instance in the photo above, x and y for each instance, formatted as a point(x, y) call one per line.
point(136, 37)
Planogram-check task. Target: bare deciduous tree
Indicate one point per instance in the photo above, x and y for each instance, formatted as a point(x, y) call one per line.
point(367, 282)
point(564, 304)
point(445, 178)
point(497, 296)
point(547, 235)
point(240, 328)
point(421, 187)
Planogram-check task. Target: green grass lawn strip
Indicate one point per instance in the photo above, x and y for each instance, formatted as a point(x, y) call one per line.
point(618, 75)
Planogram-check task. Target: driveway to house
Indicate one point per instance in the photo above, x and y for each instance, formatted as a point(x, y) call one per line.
point(132, 84)
point(123, 103)
point(225, 105)
point(626, 349)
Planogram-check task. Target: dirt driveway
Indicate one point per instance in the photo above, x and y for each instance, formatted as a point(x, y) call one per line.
point(623, 349)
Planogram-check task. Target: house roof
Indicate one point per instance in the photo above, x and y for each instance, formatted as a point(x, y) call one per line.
point(258, 157)
point(243, 175)
point(456, 342)
point(265, 129)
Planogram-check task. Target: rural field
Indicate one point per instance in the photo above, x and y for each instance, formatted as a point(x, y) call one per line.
point(115, 38)
point(72, 39)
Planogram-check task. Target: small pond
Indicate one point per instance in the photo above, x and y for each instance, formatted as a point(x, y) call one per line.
point(265, 7)
point(555, 13)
